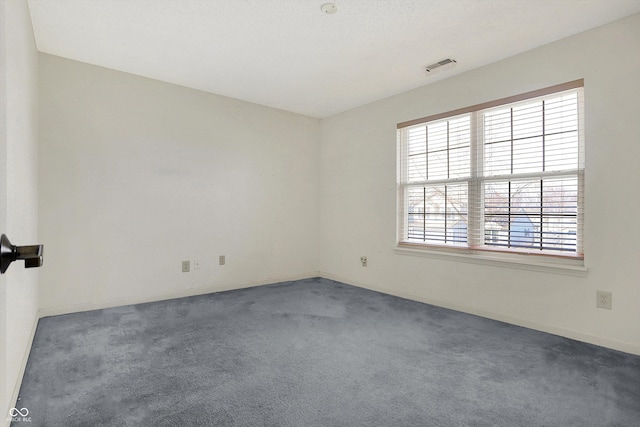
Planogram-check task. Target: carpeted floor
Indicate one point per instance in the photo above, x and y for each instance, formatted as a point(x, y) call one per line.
point(316, 353)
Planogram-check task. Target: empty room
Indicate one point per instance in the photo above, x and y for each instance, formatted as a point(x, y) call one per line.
point(312, 213)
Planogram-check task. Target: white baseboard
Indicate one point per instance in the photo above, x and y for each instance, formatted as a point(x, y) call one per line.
point(554, 330)
point(139, 299)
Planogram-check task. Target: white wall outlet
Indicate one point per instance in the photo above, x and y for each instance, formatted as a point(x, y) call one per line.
point(603, 299)
point(222, 260)
point(186, 266)
point(363, 261)
point(196, 264)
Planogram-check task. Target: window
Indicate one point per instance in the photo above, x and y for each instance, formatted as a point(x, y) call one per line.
point(502, 176)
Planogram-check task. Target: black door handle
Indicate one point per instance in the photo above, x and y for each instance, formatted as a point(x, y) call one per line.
point(32, 255)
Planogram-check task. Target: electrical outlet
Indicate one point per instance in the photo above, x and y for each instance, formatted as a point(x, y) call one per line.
point(363, 261)
point(222, 260)
point(196, 264)
point(186, 266)
point(603, 299)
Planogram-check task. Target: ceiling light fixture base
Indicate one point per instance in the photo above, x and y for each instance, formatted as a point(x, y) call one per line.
point(329, 8)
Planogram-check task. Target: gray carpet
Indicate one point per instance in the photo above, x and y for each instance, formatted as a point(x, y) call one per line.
point(316, 353)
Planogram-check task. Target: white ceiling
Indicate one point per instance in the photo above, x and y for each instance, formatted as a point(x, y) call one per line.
point(288, 54)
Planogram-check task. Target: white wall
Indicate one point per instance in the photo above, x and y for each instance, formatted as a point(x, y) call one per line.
point(18, 192)
point(137, 175)
point(358, 193)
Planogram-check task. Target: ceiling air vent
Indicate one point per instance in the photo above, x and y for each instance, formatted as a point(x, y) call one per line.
point(445, 63)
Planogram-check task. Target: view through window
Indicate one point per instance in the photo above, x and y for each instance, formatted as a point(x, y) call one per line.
point(504, 176)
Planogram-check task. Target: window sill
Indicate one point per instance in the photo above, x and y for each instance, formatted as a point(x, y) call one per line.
point(570, 267)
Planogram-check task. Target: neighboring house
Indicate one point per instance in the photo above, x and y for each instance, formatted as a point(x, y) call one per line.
point(521, 230)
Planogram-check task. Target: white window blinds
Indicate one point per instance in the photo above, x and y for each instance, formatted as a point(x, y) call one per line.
point(506, 175)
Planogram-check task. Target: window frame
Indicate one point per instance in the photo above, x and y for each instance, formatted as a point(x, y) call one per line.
point(554, 258)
